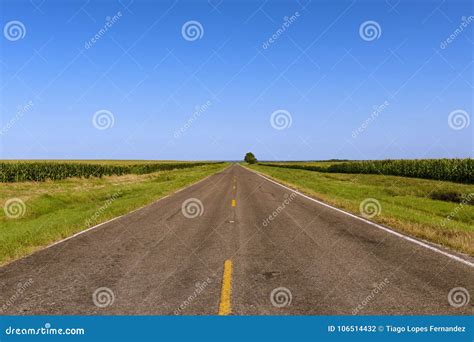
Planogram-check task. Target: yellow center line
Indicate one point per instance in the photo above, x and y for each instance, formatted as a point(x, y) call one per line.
point(225, 307)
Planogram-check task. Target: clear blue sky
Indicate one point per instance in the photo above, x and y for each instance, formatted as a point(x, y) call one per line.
point(318, 68)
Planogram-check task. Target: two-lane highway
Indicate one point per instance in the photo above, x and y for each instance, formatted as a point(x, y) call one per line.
point(235, 243)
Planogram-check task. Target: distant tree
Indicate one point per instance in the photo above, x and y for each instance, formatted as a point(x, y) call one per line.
point(250, 158)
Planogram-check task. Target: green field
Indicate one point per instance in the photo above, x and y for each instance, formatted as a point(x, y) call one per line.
point(103, 161)
point(322, 163)
point(51, 210)
point(453, 170)
point(38, 171)
point(438, 211)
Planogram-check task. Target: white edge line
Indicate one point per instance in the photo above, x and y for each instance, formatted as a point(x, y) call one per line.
point(113, 219)
point(418, 242)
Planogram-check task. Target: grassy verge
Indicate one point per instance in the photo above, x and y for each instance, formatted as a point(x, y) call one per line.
point(56, 209)
point(407, 204)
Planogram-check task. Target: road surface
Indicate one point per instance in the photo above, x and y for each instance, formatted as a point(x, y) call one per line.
point(252, 248)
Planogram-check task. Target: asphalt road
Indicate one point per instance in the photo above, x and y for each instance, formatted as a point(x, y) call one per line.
point(307, 259)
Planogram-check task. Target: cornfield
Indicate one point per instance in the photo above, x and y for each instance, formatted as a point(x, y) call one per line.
point(454, 170)
point(41, 171)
